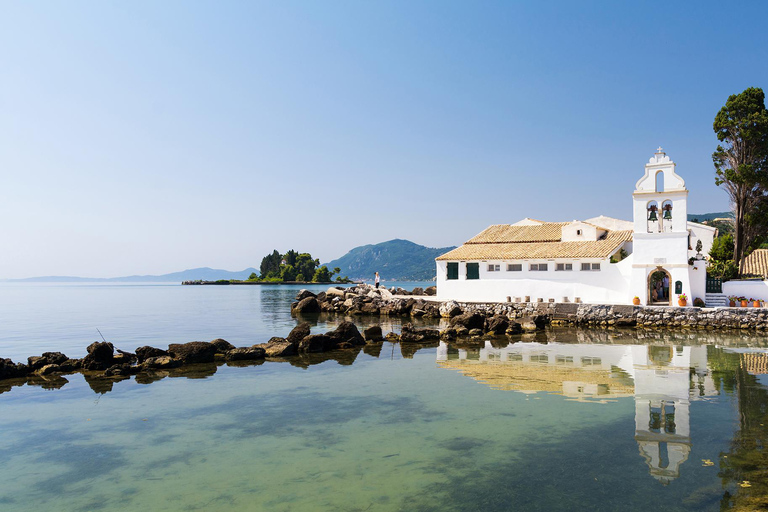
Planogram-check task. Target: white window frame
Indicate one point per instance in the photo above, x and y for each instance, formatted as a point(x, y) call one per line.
point(567, 267)
point(493, 267)
point(538, 267)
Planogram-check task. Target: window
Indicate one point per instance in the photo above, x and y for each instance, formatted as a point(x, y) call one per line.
point(515, 267)
point(564, 266)
point(590, 266)
point(660, 181)
point(578, 232)
point(595, 266)
point(564, 359)
point(493, 268)
point(453, 270)
point(539, 358)
point(473, 271)
point(591, 361)
point(538, 267)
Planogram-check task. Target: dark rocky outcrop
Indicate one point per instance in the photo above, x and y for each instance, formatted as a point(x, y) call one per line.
point(346, 335)
point(308, 305)
point(470, 320)
point(48, 358)
point(298, 333)
point(222, 346)
point(373, 334)
point(316, 343)
point(303, 294)
point(160, 362)
point(246, 353)
point(145, 352)
point(193, 352)
point(497, 324)
point(100, 356)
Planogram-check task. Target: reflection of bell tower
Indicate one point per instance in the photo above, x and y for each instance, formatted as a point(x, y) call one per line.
point(662, 428)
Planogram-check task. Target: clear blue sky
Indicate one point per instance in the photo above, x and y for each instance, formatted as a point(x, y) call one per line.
point(148, 137)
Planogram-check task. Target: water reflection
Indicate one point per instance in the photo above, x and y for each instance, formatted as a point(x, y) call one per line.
point(663, 380)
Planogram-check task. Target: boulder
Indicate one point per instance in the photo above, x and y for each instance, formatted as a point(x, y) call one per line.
point(303, 294)
point(475, 332)
point(100, 356)
point(315, 343)
point(222, 346)
point(448, 334)
point(246, 354)
point(392, 337)
point(193, 352)
point(308, 305)
point(280, 347)
point(123, 357)
point(417, 291)
point(346, 334)
point(9, 369)
point(49, 369)
point(119, 370)
point(514, 328)
point(298, 333)
point(449, 309)
point(497, 324)
point(528, 324)
point(48, 358)
point(373, 333)
point(431, 291)
point(321, 297)
point(469, 320)
point(335, 292)
point(145, 352)
point(160, 362)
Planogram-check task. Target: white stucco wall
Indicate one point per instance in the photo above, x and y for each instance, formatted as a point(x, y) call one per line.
point(751, 289)
point(609, 285)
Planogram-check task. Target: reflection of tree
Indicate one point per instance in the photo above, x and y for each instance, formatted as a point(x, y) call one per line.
point(747, 459)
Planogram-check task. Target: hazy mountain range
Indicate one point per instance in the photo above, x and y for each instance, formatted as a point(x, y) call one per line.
point(204, 273)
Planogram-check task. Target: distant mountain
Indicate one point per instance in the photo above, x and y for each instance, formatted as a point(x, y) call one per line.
point(701, 217)
point(204, 273)
point(399, 260)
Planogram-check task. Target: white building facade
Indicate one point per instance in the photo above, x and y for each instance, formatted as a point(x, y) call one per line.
point(597, 261)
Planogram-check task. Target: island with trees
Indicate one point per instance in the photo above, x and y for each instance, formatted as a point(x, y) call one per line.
point(290, 268)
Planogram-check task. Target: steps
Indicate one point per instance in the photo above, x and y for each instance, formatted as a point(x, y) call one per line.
point(716, 300)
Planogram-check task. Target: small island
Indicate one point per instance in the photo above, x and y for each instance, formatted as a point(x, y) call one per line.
point(289, 268)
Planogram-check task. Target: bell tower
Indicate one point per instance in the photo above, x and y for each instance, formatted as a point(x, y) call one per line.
point(660, 198)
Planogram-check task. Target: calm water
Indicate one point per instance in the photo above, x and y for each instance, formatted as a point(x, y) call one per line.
point(564, 420)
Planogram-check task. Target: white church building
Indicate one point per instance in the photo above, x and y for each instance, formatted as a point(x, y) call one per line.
point(598, 261)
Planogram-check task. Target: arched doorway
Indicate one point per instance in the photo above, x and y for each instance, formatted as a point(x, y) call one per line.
point(659, 282)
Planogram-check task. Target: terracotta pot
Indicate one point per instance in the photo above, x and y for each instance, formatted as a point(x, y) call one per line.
point(732, 304)
point(636, 301)
point(756, 304)
point(743, 303)
point(681, 302)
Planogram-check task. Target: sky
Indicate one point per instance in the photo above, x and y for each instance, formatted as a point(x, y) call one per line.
point(150, 137)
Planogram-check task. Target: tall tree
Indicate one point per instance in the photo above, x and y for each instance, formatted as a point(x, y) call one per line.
point(270, 265)
point(741, 164)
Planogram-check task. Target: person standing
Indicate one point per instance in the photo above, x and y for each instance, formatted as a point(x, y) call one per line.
point(665, 285)
point(376, 280)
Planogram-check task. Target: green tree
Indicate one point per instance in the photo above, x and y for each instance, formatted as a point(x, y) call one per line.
point(270, 265)
point(253, 276)
point(300, 277)
point(322, 275)
point(288, 273)
point(722, 248)
point(741, 164)
point(305, 264)
point(290, 257)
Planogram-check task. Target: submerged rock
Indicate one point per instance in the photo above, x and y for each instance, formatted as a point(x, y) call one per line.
point(298, 333)
point(222, 346)
point(145, 352)
point(346, 335)
point(246, 353)
point(373, 333)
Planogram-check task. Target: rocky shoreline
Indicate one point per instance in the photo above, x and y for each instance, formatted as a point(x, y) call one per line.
point(366, 300)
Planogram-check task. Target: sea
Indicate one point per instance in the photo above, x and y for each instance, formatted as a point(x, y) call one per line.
point(564, 419)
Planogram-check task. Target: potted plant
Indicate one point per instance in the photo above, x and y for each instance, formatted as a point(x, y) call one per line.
point(755, 303)
point(682, 300)
point(636, 301)
point(743, 301)
point(732, 301)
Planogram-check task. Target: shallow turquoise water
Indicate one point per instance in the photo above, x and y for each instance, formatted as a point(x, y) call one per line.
point(558, 421)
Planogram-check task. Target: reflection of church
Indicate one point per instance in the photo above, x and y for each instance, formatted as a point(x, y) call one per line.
point(663, 380)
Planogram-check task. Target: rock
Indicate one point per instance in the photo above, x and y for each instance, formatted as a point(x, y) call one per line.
point(123, 357)
point(514, 328)
point(222, 346)
point(497, 324)
point(160, 362)
point(100, 356)
point(346, 334)
point(392, 337)
point(145, 352)
point(315, 343)
point(417, 291)
point(280, 347)
point(449, 309)
point(448, 334)
point(118, 370)
point(373, 333)
point(431, 291)
point(193, 352)
point(70, 365)
point(469, 320)
point(527, 324)
point(370, 309)
point(303, 294)
point(335, 292)
point(48, 358)
point(308, 305)
point(246, 354)
point(298, 333)
point(475, 332)
point(321, 297)
point(49, 369)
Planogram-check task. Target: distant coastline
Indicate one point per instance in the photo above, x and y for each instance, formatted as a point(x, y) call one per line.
point(224, 282)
